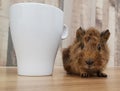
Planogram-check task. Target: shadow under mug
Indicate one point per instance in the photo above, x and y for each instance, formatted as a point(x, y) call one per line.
point(37, 30)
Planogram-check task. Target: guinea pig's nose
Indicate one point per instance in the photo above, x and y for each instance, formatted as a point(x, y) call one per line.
point(89, 62)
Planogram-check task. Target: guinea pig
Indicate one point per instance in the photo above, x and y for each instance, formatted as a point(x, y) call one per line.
point(89, 53)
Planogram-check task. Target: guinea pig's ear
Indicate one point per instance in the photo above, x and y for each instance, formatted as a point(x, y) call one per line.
point(80, 33)
point(105, 36)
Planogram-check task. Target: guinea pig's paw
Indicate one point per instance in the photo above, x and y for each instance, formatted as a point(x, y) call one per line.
point(100, 74)
point(84, 75)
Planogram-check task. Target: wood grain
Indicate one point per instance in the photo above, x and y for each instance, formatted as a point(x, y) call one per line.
point(4, 22)
point(117, 33)
point(60, 81)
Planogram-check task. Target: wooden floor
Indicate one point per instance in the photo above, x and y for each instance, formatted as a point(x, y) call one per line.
point(60, 81)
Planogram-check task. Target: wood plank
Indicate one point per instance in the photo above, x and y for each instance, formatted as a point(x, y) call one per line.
point(117, 33)
point(4, 23)
point(92, 12)
point(99, 14)
point(68, 6)
point(59, 81)
point(111, 41)
point(105, 20)
point(88, 12)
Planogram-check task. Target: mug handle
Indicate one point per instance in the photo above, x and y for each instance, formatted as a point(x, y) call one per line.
point(65, 32)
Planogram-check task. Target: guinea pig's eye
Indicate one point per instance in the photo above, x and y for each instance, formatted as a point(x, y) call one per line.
point(99, 47)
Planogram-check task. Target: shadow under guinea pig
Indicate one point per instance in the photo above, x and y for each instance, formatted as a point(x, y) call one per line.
point(89, 53)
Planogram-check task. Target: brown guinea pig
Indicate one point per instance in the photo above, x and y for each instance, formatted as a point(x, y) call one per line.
point(88, 55)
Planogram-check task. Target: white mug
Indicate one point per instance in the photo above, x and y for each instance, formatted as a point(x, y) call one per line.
point(37, 30)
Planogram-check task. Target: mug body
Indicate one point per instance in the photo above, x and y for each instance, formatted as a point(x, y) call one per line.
point(36, 31)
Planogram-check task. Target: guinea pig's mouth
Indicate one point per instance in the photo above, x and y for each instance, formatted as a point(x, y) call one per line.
point(89, 67)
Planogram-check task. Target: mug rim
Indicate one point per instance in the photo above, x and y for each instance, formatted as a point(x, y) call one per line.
point(35, 3)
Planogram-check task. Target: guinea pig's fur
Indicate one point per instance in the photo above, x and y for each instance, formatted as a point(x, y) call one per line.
point(88, 55)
